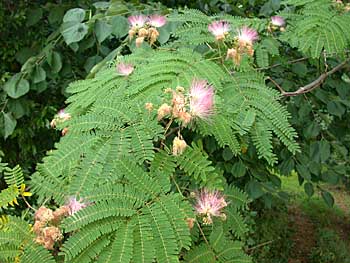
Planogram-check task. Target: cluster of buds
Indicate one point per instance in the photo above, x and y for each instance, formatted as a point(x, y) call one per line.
point(341, 6)
point(210, 204)
point(60, 117)
point(46, 222)
point(198, 103)
point(277, 23)
point(145, 28)
point(242, 43)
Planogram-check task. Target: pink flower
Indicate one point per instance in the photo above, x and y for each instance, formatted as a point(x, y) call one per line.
point(278, 21)
point(246, 35)
point(125, 69)
point(157, 20)
point(74, 205)
point(219, 29)
point(63, 115)
point(201, 99)
point(137, 21)
point(210, 203)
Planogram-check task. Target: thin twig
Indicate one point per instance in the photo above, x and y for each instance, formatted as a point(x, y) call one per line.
point(261, 245)
point(314, 84)
point(280, 64)
point(172, 130)
point(276, 84)
point(28, 203)
point(202, 233)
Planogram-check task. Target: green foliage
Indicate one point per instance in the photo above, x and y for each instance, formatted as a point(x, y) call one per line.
point(319, 28)
point(330, 248)
point(271, 236)
point(16, 243)
point(117, 158)
point(15, 182)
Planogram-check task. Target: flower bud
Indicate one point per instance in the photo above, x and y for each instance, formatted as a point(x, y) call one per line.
point(180, 89)
point(149, 106)
point(53, 123)
point(153, 35)
point(190, 222)
point(184, 117)
point(143, 32)
point(132, 33)
point(163, 110)
point(179, 146)
point(234, 54)
point(64, 131)
point(139, 41)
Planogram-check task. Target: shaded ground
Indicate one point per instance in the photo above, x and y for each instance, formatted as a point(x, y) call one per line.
point(304, 236)
point(308, 215)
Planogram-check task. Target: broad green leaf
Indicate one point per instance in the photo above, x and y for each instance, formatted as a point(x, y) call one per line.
point(56, 14)
point(18, 107)
point(23, 54)
point(336, 108)
point(73, 32)
point(39, 74)
point(254, 189)
point(325, 150)
point(101, 5)
point(120, 26)
point(309, 189)
point(9, 124)
point(238, 169)
point(102, 30)
point(34, 16)
point(328, 198)
point(303, 172)
point(16, 86)
point(330, 177)
point(55, 61)
point(312, 130)
point(164, 35)
point(91, 62)
point(74, 15)
point(227, 154)
point(300, 69)
point(74, 46)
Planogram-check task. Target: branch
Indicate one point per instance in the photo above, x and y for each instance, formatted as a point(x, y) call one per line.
point(311, 86)
point(280, 64)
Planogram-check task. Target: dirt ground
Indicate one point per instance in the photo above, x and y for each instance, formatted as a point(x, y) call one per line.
point(304, 237)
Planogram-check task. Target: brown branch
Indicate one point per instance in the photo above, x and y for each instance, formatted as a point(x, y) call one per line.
point(298, 60)
point(311, 86)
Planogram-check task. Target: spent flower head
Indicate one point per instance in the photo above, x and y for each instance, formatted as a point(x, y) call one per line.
point(201, 99)
point(278, 21)
point(125, 69)
point(219, 29)
point(44, 214)
point(209, 204)
point(247, 36)
point(137, 21)
point(156, 20)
